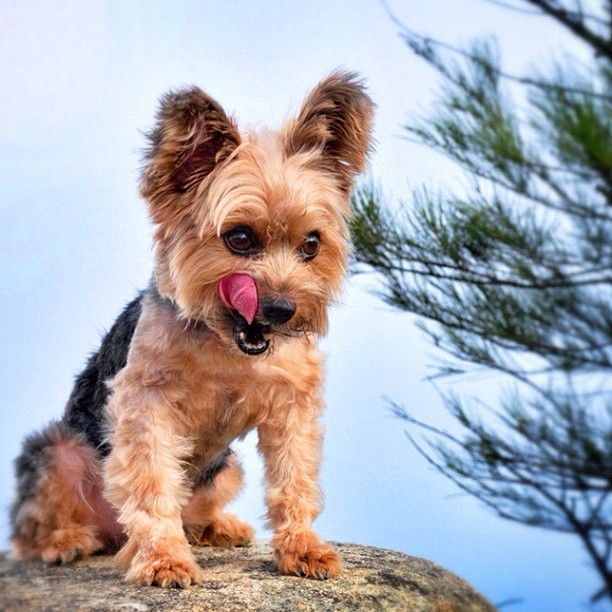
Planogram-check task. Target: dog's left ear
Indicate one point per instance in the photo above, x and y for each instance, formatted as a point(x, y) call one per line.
point(336, 120)
point(192, 137)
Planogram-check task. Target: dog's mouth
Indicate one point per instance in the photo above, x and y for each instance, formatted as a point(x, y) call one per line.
point(238, 292)
point(249, 338)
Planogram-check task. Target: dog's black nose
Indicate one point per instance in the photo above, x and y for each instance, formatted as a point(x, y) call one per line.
point(277, 311)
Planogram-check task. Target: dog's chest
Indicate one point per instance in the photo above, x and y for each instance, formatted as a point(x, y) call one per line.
point(226, 403)
point(227, 406)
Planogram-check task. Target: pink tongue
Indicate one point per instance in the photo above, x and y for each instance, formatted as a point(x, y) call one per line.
point(238, 292)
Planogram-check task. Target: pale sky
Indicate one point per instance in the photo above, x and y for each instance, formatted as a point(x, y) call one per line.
point(80, 82)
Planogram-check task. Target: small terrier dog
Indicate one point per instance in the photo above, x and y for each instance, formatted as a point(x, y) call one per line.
point(251, 242)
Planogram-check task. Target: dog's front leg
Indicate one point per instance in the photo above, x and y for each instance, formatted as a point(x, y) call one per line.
point(144, 480)
point(290, 442)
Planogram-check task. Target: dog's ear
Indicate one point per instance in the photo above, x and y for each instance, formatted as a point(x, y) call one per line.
point(336, 120)
point(192, 135)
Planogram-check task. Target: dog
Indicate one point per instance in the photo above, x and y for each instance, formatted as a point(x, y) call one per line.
point(251, 242)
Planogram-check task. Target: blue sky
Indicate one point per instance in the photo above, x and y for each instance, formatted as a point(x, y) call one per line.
point(80, 82)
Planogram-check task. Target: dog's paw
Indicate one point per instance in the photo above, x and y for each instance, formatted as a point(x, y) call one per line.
point(164, 571)
point(305, 555)
point(65, 545)
point(225, 531)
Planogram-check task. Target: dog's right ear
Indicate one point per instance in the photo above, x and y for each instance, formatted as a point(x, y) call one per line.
point(192, 136)
point(336, 121)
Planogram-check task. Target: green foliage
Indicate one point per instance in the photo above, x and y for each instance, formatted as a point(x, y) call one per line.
point(514, 274)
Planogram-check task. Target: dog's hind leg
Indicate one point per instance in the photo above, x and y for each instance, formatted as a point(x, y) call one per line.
point(204, 521)
point(56, 514)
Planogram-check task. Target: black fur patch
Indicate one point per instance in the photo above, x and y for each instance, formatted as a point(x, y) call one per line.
point(208, 475)
point(85, 410)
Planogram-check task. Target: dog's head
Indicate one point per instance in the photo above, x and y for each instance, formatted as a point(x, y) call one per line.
point(251, 235)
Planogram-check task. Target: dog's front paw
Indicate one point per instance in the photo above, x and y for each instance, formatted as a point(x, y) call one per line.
point(164, 569)
point(305, 555)
point(164, 572)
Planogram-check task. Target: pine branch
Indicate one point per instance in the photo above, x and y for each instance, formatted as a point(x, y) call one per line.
point(510, 503)
point(575, 23)
point(423, 46)
point(513, 8)
point(515, 278)
point(582, 15)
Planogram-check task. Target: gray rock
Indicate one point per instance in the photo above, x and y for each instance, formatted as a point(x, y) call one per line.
point(243, 579)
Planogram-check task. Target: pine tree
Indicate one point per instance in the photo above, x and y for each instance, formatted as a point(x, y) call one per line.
point(513, 274)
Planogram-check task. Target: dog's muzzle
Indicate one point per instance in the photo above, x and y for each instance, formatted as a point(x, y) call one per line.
point(250, 338)
point(252, 319)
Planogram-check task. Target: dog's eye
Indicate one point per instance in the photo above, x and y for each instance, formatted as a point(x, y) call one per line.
point(310, 247)
point(242, 241)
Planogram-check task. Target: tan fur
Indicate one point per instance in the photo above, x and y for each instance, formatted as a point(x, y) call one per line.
point(187, 391)
point(62, 522)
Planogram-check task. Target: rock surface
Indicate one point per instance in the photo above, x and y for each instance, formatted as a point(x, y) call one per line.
point(243, 579)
